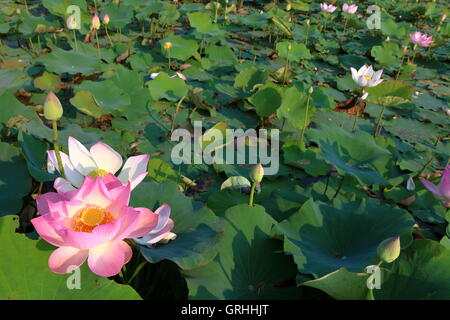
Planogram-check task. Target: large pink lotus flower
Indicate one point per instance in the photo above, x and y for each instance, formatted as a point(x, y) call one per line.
point(91, 223)
point(327, 7)
point(441, 192)
point(162, 232)
point(421, 39)
point(349, 9)
point(98, 161)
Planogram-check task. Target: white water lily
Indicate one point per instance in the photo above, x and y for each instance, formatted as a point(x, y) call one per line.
point(161, 233)
point(366, 76)
point(99, 161)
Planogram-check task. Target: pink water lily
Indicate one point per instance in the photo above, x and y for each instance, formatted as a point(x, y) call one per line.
point(162, 232)
point(327, 7)
point(442, 191)
point(98, 161)
point(349, 9)
point(91, 224)
point(421, 39)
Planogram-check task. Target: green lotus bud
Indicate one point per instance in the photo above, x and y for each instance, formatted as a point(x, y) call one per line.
point(288, 7)
point(389, 250)
point(257, 173)
point(52, 107)
point(311, 90)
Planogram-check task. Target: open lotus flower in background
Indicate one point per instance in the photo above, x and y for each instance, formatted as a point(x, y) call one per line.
point(98, 161)
point(161, 233)
point(91, 223)
point(421, 39)
point(441, 192)
point(349, 9)
point(366, 76)
point(327, 7)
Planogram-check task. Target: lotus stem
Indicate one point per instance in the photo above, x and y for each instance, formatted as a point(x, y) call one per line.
point(380, 117)
point(306, 118)
point(107, 34)
point(56, 147)
point(339, 187)
point(175, 114)
point(252, 194)
point(75, 39)
point(98, 43)
point(216, 12)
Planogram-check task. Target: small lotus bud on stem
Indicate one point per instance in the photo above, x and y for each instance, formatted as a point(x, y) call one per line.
point(53, 111)
point(410, 185)
point(256, 175)
point(389, 250)
point(106, 19)
point(167, 45)
point(95, 23)
point(52, 107)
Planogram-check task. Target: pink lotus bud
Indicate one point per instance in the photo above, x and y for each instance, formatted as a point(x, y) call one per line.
point(95, 24)
point(106, 19)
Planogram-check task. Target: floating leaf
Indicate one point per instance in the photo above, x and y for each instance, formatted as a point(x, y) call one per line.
point(25, 275)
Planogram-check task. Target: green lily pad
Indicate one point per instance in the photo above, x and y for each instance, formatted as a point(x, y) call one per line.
point(422, 272)
point(296, 108)
point(196, 227)
point(351, 152)
point(324, 238)
point(297, 50)
point(182, 48)
point(164, 87)
point(267, 99)
point(47, 81)
point(13, 110)
point(85, 102)
point(60, 61)
point(390, 93)
point(35, 152)
point(15, 182)
point(342, 284)
point(249, 263)
point(24, 273)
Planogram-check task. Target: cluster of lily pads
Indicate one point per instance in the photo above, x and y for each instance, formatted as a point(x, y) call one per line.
point(359, 208)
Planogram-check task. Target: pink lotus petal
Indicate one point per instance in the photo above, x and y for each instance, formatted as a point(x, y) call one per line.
point(107, 259)
point(434, 189)
point(147, 221)
point(106, 157)
point(65, 259)
point(111, 181)
point(43, 199)
point(444, 186)
point(46, 231)
point(94, 192)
